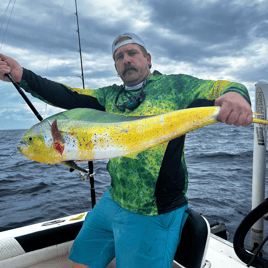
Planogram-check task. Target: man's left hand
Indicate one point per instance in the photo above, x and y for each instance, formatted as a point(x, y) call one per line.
point(235, 110)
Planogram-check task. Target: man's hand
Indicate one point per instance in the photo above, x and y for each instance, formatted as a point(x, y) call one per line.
point(235, 110)
point(9, 65)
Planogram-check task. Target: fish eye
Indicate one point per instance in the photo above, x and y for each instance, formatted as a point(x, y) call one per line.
point(30, 139)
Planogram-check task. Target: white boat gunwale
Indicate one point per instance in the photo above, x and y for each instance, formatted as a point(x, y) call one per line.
point(59, 252)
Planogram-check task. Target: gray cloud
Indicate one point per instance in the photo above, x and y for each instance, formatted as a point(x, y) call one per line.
point(208, 39)
point(201, 31)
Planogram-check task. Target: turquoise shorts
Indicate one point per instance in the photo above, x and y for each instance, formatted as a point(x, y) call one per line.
point(135, 240)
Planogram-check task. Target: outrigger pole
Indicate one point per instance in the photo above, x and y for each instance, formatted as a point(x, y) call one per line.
point(90, 163)
point(79, 42)
point(259, 161)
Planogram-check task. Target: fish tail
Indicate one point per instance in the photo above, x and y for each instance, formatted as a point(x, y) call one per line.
point(260, 121)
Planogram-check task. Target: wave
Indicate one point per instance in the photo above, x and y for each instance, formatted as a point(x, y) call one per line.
point(4, 155)
point(225, 154)
point(41, 186)
point(7, 181)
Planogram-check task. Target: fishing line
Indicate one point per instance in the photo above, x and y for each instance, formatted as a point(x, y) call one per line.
point(40, 119)
point(4, 15)
point(7, 24)
point(27, 100)
point(15, 155)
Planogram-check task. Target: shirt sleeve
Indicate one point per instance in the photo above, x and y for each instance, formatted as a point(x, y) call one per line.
point(211, 89)
point(60, 95)
point(220, 87)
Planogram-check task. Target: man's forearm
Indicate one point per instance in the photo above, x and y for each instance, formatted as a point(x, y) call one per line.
point(55, 93)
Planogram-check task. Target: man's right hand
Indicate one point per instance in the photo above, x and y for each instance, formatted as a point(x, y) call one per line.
point(9, 65)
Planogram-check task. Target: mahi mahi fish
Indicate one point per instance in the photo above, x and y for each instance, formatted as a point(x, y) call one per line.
point(84, 134)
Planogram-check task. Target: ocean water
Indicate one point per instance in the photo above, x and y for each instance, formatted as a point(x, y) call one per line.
point(218, 157)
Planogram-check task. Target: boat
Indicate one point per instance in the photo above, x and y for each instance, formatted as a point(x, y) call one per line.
point(48, 244)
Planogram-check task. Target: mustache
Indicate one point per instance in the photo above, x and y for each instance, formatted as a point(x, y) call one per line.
point(128, 68)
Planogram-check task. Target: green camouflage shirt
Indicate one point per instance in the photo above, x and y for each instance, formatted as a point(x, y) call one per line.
point(133, 181)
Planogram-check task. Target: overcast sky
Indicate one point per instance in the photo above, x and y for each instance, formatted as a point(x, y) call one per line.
point(208, 39)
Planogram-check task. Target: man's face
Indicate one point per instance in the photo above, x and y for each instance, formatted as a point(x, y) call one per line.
point(131, 65)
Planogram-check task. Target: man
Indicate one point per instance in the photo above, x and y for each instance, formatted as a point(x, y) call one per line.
point(140, 217)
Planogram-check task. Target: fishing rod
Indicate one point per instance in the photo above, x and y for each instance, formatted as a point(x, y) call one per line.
point(39, 117)
point(16, 85)
point(90, 163)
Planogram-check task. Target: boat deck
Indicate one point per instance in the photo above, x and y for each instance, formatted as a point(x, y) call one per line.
point(62, 262)
point(220, 254)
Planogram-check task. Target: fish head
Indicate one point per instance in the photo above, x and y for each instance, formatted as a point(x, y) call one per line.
point(38, 144)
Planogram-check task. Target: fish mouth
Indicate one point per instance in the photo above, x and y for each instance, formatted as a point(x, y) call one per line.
point(24, 143)
point(23, 146)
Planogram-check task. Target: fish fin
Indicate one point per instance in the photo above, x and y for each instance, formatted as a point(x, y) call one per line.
point(56, 134)
point(72, 165)
point(58, 140)
point(132, 155)
point(59, 147)
point(258, 120)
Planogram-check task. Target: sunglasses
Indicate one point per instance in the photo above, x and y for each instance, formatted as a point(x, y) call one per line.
point(132, 104)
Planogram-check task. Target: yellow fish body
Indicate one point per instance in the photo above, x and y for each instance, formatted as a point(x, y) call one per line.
point(86, 135)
